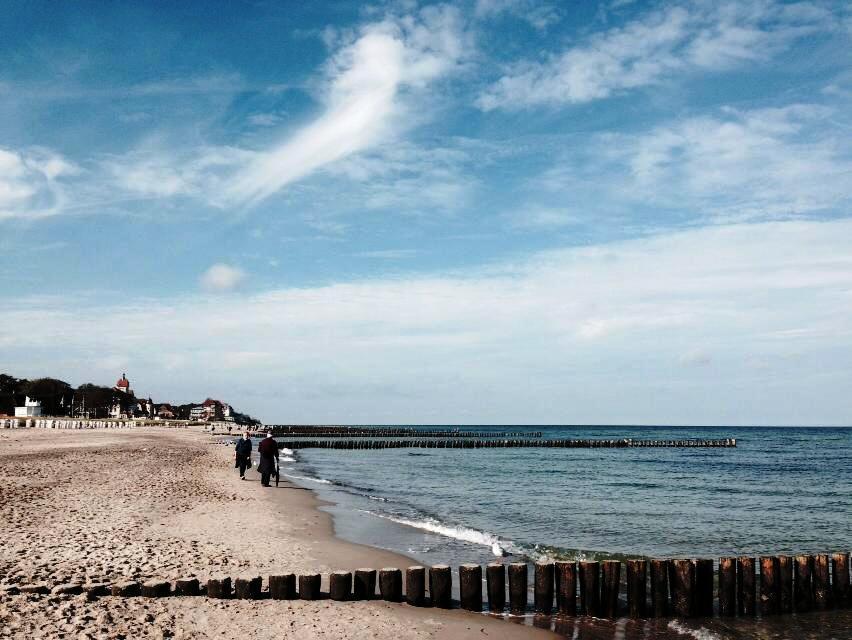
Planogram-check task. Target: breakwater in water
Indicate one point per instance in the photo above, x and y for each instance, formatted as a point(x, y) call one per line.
point(470, 443)
point(281, 431)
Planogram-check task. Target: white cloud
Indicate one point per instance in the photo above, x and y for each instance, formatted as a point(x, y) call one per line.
point(363, 97)
point(222, 277)
point(31, 183)
point(697, 36)
point(595, 333)
point(733, 165)
point(537, 14)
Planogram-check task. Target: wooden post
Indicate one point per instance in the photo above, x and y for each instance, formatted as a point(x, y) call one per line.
point(156, 589)
point(745, 586)
point(518, 586)
point(840, 571)
point(470, 587)
point(495, 577)
point(637, 590)
point(390, 584)
point(770, 588)
point(785, 584)
point(566, 588)
point(822, 587)
point(590, 590)
point(340, 585)
point(703, 605)
point(365, 584)
point(309, 586)
point(247, 588)
point(441, 586)
point(803, 584)
point(128, 589)
point(219, 588)
point(415, 586)
point(660, 588)
point(283, 587)
point(611, 570)
point(187, 587)
point(543, 587)
point(682, 580)
point(727, 587)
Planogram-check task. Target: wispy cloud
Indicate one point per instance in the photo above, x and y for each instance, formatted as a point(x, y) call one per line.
point(678, 39)
point(31, 182)
point(732, 165)
point(363, 99)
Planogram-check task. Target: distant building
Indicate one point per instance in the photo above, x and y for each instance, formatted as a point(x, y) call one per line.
point(210, 410)
point(30, 409)
point(123, 384)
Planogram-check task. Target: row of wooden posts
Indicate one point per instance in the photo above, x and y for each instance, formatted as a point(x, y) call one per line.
point(654, 588)
point(504, 444)
point(280, 431)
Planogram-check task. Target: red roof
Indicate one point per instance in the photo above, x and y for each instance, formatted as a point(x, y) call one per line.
point(123, 382)
point(210, 402)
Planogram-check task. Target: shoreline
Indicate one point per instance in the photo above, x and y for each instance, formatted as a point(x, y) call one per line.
point(106, 505)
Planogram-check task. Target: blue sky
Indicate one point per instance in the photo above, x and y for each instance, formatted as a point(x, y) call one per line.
point(492, 211)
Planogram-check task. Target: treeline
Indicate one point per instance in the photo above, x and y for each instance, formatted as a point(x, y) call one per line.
point(58, 398)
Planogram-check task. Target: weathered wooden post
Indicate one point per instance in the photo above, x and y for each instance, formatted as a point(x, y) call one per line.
point(390, 584)
point(566, 588)
point(518, 585)
point(309, 586)
point(441, 586)
point(660, 588)
point(340, 585)
point(365, 584)
point(803, 584)
point(283, 587)
point(637, 591)
point(543, 587)
point(156, 589)
point(415, 586)
point(495, 577)
point(841, 586)
point(247, 588)
point(611, 570)
point(769, 586)
point(785, 584)
point(590, 589)
point(219, 588)
point(822, 587)
point(470, 587)
point(682, 580)
point(703, 605)
point(727, 587)
point(127, 589)
point(745, 586)
point(187, 587)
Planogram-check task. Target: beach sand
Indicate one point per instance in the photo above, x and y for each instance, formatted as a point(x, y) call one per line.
point(103, 506)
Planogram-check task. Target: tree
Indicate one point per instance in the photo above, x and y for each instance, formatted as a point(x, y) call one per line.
point(93, 401)
point(54, 395)
point(9, 387)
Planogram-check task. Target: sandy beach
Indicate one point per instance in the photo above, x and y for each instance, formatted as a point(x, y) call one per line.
point(104, 506)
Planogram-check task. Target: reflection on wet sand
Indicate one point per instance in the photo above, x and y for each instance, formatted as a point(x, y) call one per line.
point(836, 625)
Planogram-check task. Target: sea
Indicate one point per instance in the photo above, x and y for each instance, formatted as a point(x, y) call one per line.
point(783, 490)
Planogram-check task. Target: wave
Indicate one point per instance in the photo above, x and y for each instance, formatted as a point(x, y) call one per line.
point(498, 547)
point(308, 478)
point(700, 633)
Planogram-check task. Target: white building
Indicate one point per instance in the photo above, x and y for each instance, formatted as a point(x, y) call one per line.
point(30, 409)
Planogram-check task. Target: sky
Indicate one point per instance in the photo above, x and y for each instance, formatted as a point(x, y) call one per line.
point(492, 211)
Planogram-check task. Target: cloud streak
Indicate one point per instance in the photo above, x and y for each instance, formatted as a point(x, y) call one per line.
point(693, 37)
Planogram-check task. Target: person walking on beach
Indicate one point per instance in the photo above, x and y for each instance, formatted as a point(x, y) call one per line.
point(268, 450)
point(243, 453)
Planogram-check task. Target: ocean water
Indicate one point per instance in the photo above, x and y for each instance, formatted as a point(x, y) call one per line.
point(780, 491)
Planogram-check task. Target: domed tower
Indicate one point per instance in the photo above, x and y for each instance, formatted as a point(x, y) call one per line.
point(123, 384)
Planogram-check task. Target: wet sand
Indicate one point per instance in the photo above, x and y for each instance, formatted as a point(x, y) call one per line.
point(102, 506)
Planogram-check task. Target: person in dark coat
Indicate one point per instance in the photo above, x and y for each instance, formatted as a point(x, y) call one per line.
point(243, 455)
point(268, 450)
